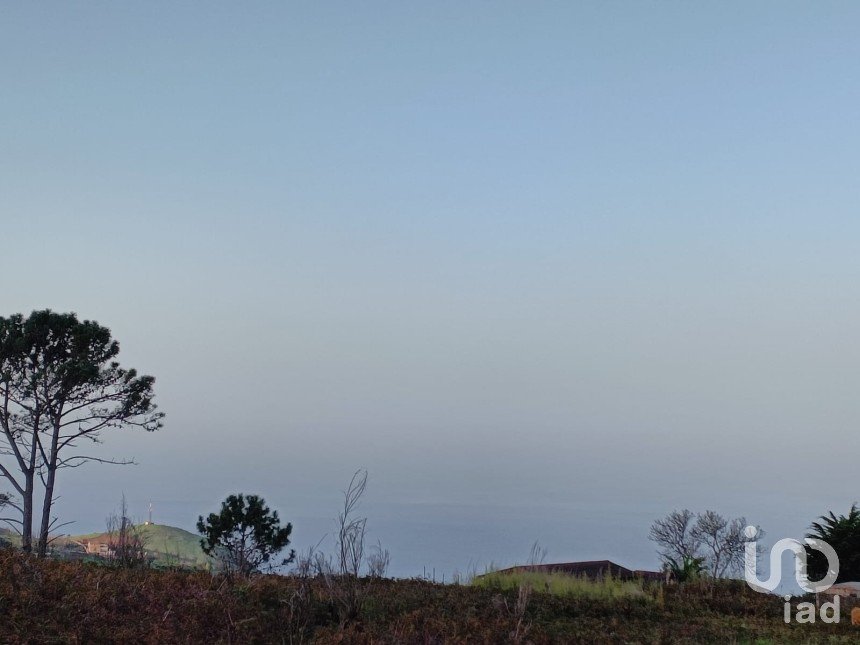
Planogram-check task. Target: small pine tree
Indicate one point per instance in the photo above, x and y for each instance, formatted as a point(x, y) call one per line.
point(244, 535)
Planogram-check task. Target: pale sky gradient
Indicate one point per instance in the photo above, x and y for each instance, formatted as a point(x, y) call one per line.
point(580, 263)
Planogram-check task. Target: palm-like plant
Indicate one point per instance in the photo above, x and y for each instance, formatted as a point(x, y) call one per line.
point(843, 534)
point(686, 569)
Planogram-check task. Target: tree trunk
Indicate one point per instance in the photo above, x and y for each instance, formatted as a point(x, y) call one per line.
point(28, 470)
point(29, 486)
point(48, 502)
point(27, 514)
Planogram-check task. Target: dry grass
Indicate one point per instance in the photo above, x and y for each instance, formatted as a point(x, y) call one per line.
point(561, 584)
point(76, 602)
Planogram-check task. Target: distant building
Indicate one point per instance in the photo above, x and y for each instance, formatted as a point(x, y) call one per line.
point(100, 547)
point(592, 569)
point(845, 590)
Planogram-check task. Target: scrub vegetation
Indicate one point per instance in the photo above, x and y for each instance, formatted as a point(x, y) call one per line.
point(565, 585)
point(55, 601)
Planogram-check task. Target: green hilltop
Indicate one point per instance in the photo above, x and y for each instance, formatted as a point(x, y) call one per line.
point(169, 545)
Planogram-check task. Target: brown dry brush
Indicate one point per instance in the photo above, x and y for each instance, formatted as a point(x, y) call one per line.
point(53, 601)
point(126, 543)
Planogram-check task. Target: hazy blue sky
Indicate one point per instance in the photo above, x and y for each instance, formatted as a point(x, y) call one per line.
point(537, 266)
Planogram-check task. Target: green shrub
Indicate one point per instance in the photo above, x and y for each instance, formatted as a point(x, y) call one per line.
point(562, 584)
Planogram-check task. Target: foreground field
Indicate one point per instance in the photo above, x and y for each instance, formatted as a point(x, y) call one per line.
point(75, 602)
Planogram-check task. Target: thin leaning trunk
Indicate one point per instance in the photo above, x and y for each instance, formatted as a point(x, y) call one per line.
point(27, 516)
point(48, 502)
point(29, 486)
point(27, 466)
point(46, 513)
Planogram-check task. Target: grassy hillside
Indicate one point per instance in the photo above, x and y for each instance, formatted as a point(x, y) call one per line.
point(170, 543)
point(171, 546)
point(78, 602)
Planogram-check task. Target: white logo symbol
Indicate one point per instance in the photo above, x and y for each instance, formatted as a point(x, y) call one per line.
point(796, 547)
